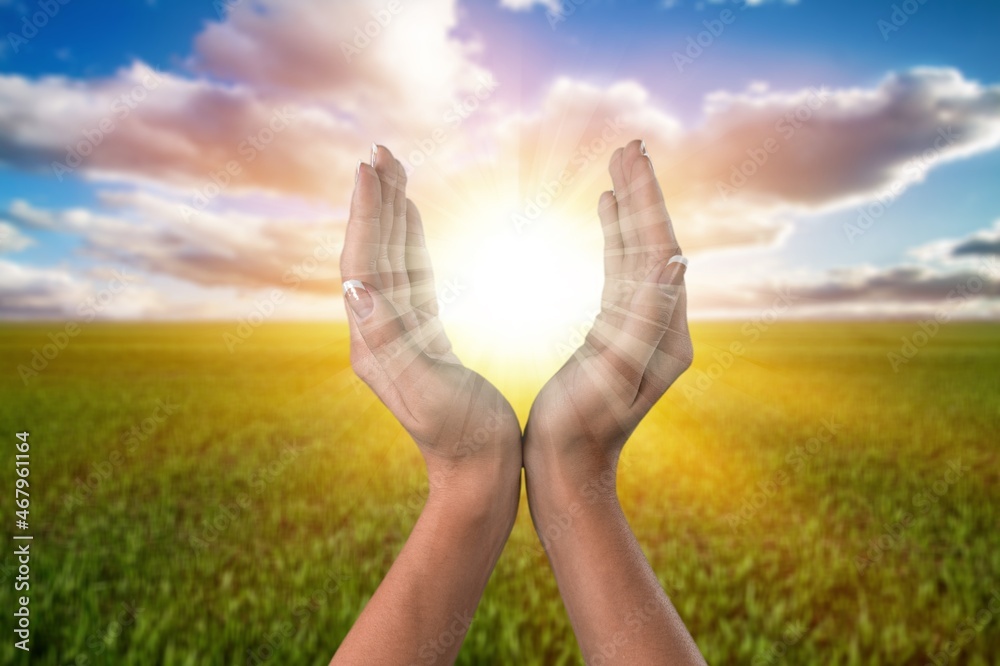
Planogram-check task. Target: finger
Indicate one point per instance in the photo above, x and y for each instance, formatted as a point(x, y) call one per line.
point(418, 263)
point(359, 258)
point(423, 293)
point(648, 318)
point(673, 356)
point(609, 320)
point(618, 182)
point(607, 211)
point(398, 351)
point(613, 394)
point(649, 215)
point(385, 166)
point(626, 202)
point(397, 240)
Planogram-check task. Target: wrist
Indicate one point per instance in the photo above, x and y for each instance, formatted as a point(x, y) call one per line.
point(476, 490)
point(567, 464)
point(557, 477)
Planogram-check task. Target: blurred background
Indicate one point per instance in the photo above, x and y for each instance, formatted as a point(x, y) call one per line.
point(210, 483)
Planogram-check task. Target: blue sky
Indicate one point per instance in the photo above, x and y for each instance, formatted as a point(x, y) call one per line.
point(221, 76)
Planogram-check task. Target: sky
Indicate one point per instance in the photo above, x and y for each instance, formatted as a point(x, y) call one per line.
point(194, 160)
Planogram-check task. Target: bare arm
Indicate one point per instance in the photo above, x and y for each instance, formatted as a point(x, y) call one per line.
point(586, 412)
point(467, 432)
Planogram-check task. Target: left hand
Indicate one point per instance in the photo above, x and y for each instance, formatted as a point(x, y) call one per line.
point(465, 429)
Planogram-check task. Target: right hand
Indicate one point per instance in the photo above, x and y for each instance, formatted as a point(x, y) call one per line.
point(640, 342)
point(465, 429)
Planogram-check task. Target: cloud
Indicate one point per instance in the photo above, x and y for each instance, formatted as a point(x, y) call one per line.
point(228, 249)
point(960, 290)
point(918, 284)
point(142, 125)
point(982, 243)
point(760, 158)
point(398, 67)
point(524, 5)
point(333, 77)
point(831, 147)
point(965, 250)
point(12, 240)
point(335, 84)
point(28, 292)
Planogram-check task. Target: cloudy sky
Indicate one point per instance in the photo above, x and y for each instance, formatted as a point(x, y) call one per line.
point(191, 160)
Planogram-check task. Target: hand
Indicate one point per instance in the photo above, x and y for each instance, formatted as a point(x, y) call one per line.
point(639, 344)
point(465, 429)
point(467, 432)
point(581, 419)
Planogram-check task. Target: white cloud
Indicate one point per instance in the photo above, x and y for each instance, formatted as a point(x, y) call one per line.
point(524, 5)
point(139, 125)
point(12, 240)
point(401, 69)
point(213, 249)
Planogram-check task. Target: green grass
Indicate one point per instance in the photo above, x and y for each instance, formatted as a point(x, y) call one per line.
point(331, 488)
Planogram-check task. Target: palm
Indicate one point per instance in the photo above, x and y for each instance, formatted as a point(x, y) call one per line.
point(401, 350)
point(640, 342)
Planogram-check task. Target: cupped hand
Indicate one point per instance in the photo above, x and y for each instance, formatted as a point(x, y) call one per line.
point(465, 429)
point(639, 344)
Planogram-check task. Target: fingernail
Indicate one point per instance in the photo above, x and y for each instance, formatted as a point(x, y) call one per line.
point(374, 154)
point(357, 172)
point(642, 149)
point(358, 298)
point(674, 270)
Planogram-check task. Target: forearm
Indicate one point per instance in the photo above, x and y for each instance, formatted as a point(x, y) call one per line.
point(618, 610)
point(422, 610)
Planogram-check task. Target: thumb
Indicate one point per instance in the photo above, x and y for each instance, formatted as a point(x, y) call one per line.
point(399, 352)
point(649, 312)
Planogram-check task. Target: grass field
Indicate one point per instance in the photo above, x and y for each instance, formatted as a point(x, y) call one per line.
point(803, 504)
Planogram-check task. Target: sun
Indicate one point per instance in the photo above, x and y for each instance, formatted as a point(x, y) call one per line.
point(522, 296)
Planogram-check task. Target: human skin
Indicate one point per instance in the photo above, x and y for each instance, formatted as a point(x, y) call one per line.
point(472, 444)
point(466, 431)
point(583, 416)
